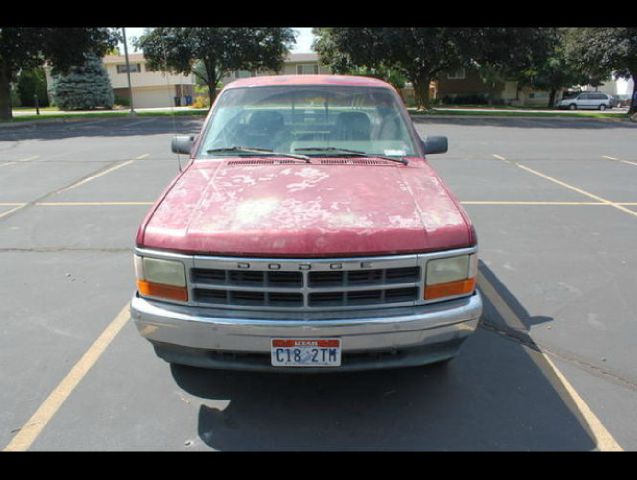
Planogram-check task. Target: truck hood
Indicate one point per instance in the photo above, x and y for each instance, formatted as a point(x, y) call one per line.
point(261, 208)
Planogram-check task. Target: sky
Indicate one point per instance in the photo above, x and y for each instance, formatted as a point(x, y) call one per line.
point(303, 40)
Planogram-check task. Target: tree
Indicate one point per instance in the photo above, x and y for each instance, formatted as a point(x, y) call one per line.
point(423, 54)
point(31, 83)
point(85, 87)
point(420, 54)
point(27, 48)
point(600, 51)
point(550, 69)
point(208, 53)
point(339, 63)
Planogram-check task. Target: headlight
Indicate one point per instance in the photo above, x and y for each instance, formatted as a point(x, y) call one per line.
point(161, 278)
point(451, 276)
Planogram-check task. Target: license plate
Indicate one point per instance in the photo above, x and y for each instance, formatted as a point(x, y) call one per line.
point(306, 352)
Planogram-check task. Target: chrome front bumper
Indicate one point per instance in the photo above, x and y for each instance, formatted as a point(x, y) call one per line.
point(204, 336)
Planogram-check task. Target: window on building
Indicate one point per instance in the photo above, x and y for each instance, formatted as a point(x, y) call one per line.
point(134, 67)
point(307, 69)
point(242, 74)
point(457, 75)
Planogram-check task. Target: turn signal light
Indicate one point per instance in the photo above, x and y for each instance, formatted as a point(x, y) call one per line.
point(150, 289)
point(450, 289)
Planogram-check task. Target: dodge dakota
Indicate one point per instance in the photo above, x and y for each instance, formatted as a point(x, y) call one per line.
point(306, 233)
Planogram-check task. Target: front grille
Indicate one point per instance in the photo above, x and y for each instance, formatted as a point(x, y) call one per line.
point(306, 285)
point(364, 277)
point(246, 278)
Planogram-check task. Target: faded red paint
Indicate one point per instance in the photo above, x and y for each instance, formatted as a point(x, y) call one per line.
point(219, 207)
point(306, 210)
point(268, 81)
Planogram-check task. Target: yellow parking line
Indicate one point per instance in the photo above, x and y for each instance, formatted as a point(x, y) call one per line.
point(9, 212)
point(578, 190)
point(93, 177)
point(43, 415)
point(620, 160)
point(489, 202)
point(89, 204)
point(27, 159)
point(603, 438)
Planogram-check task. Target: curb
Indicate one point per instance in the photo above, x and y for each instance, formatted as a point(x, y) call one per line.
point(27, 123)
point(70, 119)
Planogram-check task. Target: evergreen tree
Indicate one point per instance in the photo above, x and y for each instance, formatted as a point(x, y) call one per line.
point(85, 87)
point(24, 48)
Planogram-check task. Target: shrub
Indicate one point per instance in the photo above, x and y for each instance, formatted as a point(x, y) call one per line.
point(85, 87)
point(468, 99)
point(123, 101)
point(31, 83)
point(201, 102)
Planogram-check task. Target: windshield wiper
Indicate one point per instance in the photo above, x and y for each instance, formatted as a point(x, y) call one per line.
point(357, 153)
point(258, 151)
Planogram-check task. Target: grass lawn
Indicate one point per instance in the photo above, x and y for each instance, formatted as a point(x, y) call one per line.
point(109, 114)
point(518, 113)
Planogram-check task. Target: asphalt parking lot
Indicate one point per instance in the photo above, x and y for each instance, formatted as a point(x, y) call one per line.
point(552, 366)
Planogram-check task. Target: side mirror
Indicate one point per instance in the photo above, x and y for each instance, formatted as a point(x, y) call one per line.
point(435, 145)
point(182, 143)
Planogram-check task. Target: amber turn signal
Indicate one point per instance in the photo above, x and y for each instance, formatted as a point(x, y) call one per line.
point(450, 289)
point(150, 289)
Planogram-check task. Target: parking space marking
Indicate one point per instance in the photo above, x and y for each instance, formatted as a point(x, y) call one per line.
point(97, 175)
point(620, 160)
point(496, 202)
point(578, 190)
point(500, 158)
point(90, 204)
point(43, 415)
point(616, 205)
point(603, 438)
point(102, 173)
point(27, 159)
point(9, 212)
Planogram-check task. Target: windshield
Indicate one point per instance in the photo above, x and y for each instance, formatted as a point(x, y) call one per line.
point(315, 120)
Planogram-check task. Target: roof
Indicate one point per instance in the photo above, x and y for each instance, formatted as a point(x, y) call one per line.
point(139, 57)
point(273, 80)
point(301, 57)
point(133, 57)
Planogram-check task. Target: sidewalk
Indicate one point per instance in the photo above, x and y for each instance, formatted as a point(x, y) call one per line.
point(617, 111)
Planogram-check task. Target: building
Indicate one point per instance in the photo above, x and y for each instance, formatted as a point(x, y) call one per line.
point(465, 86)
point(294, 64)
point(150, 88)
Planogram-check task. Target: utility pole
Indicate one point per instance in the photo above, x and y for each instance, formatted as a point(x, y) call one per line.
point(130, 87)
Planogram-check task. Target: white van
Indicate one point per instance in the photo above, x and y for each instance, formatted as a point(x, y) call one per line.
point(587, 100)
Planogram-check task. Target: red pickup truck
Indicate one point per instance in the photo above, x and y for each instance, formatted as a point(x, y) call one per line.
point(307, 233)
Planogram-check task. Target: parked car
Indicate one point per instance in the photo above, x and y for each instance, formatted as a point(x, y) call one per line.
point(307, 233)
point(588, 100)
